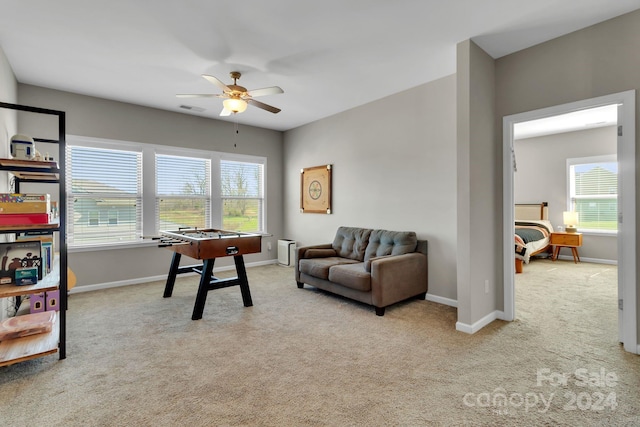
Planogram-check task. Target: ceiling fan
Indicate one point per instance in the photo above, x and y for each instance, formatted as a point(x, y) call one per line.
point(236, 98)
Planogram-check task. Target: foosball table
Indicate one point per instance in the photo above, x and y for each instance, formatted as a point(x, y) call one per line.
point(207, 245)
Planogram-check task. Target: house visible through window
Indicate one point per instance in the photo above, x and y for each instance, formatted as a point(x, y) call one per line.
point(104, 195)
point(593, 192)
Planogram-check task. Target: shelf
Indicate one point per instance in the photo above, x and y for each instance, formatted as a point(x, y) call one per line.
point(31, 170)
point(52, 226)
point(27, 348)
point(50, 282)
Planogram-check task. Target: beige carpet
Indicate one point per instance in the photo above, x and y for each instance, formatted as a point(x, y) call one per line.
point(306, 358)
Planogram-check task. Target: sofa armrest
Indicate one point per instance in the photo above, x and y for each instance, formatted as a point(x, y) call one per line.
point(398, 277)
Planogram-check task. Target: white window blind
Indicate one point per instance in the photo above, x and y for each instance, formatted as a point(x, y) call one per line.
point(183, 195)
point(594, 193)
point(104, 195)
point(242, 191)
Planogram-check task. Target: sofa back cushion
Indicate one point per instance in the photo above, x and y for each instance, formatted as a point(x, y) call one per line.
point(351, 242)
point(384, 242)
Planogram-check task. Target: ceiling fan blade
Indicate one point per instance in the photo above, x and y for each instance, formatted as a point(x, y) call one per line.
point(225, 112)
point(273, 90)
point(217, 82)
point(264, 106)
point(197, 95)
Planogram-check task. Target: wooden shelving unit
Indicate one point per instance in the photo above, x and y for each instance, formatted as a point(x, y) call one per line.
point(26, 171)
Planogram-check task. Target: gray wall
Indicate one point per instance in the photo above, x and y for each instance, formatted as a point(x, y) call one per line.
point(478, 191)
point(393, 168)
point(542, 176)
point(100, 118)
point(596, 61)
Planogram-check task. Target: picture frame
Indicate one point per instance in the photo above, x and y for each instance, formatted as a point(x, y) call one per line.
point(315, 189)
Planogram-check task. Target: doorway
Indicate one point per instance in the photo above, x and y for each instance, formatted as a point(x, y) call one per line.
point(627, 291)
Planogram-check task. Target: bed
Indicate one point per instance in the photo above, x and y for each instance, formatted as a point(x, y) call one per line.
point(532, 232)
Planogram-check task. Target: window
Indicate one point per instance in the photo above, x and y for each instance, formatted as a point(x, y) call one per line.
point(183, 196)
point(104, 195)
point(593, 192)
point(241, 186)
point(107, 205)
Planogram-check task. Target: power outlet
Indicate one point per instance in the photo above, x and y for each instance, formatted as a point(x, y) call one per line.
point(268, 246)
point(486, 286)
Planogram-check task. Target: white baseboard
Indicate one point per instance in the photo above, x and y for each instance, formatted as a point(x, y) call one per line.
point(472, 329)
point(137, 281)
point(591, 260)
point(442, 300)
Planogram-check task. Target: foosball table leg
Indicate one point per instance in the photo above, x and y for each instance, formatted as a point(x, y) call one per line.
point(205, 280)
point(243, 281)
point(173, 272)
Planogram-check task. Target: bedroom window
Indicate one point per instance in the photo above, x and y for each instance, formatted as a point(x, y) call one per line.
point(593, 192)
point(103, 184)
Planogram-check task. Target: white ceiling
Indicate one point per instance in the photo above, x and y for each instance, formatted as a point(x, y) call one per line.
point(328, 56)
point(590, 118)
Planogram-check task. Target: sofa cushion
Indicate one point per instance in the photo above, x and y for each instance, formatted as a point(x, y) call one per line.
point(351, 276)
point(351, 242)
point(319, 267)
point(384, 242)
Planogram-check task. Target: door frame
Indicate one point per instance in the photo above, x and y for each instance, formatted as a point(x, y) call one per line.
point(627, 287)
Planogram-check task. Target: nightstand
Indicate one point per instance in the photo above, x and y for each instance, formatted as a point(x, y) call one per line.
point(566, 240)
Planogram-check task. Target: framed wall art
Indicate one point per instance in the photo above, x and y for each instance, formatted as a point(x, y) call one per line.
point(315, 189)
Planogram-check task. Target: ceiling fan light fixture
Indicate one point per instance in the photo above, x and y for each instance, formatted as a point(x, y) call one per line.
point(235, 105)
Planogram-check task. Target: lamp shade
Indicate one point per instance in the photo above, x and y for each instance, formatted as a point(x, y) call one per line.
point(235, 105)
point(570, 220)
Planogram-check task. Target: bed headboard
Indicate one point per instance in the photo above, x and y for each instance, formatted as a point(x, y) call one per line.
point(531, 211)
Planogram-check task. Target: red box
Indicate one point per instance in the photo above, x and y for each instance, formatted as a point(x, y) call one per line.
point(24, 219)
point(37, 303)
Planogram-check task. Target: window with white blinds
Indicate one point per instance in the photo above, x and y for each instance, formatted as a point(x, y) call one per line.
point(119, 191)
point(593, 192)
point(242, 192)
point(104, 195)
point(183, 195)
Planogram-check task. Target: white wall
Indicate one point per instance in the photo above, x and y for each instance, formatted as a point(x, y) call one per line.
point(393, 168)
point(100, 118)
point(542, 177)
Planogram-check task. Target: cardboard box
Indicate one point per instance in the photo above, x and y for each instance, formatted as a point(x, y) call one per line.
point(37, 303)
point(13, 203)
point(52, 299)
point(15, 255)
point(26, 276)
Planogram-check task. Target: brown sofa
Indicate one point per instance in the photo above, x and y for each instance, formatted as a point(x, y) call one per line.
point(376, 267)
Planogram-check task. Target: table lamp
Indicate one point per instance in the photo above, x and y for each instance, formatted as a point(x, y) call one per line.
point(570, 221)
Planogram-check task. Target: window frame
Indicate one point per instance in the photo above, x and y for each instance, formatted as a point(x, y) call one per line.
point(262, 220)
point(607, 158)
